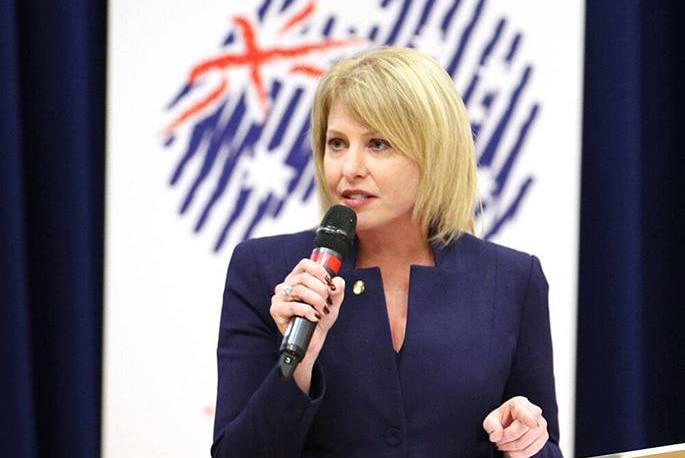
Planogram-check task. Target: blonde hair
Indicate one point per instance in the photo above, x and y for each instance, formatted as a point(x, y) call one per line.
point(409, 99)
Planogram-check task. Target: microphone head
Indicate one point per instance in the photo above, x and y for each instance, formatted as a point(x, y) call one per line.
point(337, 230)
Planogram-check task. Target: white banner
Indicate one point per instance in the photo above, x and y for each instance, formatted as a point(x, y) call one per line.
point(208, 106)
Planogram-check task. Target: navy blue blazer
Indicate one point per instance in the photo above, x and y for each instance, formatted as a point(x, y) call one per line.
point(477, 334)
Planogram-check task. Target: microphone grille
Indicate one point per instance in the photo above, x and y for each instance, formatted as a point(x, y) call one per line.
point(337, 230)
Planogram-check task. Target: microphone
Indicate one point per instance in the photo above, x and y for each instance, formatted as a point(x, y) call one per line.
point(332, 242)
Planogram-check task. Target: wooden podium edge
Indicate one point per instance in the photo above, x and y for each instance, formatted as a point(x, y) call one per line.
point(668, 451)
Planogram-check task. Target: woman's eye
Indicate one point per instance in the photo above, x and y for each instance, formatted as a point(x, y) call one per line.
point(336, 144)
point(379, 145)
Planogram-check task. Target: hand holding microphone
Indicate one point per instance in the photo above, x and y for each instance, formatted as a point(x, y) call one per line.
point(306, 304)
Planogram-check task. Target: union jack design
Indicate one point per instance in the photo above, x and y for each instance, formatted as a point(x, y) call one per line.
point(242, 115)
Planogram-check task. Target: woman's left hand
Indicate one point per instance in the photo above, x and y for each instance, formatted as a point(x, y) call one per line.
point(517, 428)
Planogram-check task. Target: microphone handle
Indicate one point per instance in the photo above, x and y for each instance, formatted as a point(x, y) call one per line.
point(300, 330)
point(294, 345)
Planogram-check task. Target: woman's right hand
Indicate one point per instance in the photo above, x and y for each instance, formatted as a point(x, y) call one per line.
point(308, 292)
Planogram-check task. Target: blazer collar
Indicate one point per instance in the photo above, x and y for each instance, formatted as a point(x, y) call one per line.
point(444, 256)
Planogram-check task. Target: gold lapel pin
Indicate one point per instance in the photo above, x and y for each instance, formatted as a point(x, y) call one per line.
point(358, 287)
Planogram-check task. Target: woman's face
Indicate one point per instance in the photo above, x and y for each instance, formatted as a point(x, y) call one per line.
point(365, 173)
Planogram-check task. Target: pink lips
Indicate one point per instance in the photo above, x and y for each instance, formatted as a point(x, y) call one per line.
point(356, 198)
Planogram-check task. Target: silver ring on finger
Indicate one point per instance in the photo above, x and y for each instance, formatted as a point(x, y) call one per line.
point(287, 292)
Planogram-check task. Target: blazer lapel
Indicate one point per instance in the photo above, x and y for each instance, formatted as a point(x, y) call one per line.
point(449, 325)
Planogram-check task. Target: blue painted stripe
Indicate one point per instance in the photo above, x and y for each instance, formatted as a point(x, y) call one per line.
point(399, 21)
point(298, 157)
point(487, 99)
point(427, 9)
point(493, 42)
point(485, 54)
point(261, 209)
point(511, 211)
point(230, 38)
point(285, 120)
point(491, 148)
point(255, 131)
point(219, 137)
point(310, 189)
point(470, 89)
point(328, 27)
point(286, 5)
point(465, 38)
point(506, 169)
point(199, 131)
point(373, 33)
point(235, 214)
point(513, 48)
point(449, 15)
point(227, 171)
point(185, 90)
point(261, 12)
point(251, 137)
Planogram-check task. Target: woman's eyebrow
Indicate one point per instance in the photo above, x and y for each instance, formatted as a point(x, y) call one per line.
point(368, 132)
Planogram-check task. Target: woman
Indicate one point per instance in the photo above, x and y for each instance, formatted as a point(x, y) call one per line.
point(431, 342)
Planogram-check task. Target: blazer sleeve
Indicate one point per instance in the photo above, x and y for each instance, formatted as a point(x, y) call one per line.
point(532, 373)
point(257, 414)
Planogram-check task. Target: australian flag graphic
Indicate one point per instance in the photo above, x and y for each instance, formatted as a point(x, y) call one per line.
point(239, 123)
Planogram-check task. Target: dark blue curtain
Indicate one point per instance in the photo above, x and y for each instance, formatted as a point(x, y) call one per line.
point(631, 324)
point(52, 58)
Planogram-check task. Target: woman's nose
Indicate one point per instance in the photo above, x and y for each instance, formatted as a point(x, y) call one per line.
point(354, 163)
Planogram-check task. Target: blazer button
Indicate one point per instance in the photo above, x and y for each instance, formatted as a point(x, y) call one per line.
point(358, 287)
point(393, 437)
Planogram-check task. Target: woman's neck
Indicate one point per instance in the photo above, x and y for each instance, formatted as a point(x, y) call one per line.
point(394, 246)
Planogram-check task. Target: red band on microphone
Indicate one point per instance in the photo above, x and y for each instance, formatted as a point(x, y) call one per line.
point(328, 259)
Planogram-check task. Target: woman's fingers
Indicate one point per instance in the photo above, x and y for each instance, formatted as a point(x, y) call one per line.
point(517, 428)
point(514, 432)
point(312, 268)
point(283, 312)
point(493, 426)
point(533, 448)
point(309, 292)
point(306, 288)
point(525, 411)
point(523, 443)
point(337, 291)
